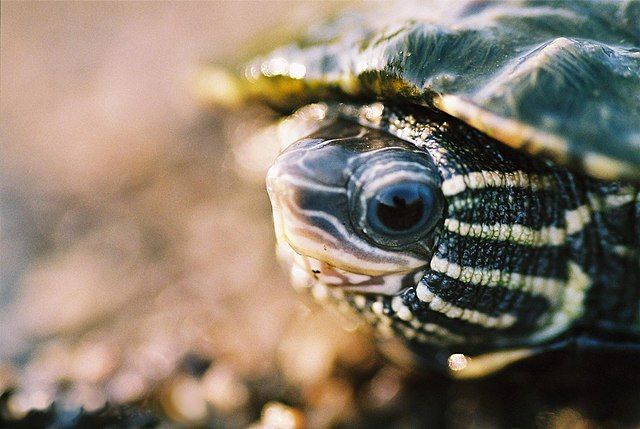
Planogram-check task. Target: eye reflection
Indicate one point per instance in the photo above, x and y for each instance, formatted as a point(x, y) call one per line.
point(401, 208)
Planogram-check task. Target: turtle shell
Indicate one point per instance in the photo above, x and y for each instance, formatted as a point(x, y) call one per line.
point(557, 79)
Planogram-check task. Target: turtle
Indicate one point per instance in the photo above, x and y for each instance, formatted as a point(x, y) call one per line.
point(467, 181)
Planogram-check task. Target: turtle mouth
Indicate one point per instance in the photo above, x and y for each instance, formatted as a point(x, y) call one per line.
point(306, 271)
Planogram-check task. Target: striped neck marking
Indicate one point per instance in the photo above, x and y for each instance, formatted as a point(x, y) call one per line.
point(515, 233)
point(546, 287)
point(495, 179)
point(454, 312)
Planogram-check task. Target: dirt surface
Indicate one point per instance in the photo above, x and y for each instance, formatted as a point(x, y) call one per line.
point(138, 284)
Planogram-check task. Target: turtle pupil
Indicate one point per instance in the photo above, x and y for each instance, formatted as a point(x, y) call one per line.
point(400, 209)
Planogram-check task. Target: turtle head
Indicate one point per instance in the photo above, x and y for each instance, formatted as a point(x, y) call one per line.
point(356, 208)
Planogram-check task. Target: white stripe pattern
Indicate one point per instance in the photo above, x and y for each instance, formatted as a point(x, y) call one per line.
point(612, 201)
point(515, 233)
point(572, 303)
point(417, 327)
point(618, 200)
point(495, 179)
point(577, 219)
point(454, 312)
point(537, 286)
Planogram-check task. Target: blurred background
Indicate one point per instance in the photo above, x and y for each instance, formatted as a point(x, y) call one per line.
point(138, 284)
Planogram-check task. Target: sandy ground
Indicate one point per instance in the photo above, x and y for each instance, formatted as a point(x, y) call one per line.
point(136, 246)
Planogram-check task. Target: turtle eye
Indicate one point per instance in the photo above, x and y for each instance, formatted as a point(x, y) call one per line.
point(402, 209)
point(395, 198)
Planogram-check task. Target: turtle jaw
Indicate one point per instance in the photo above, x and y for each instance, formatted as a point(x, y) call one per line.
point(306, 272)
